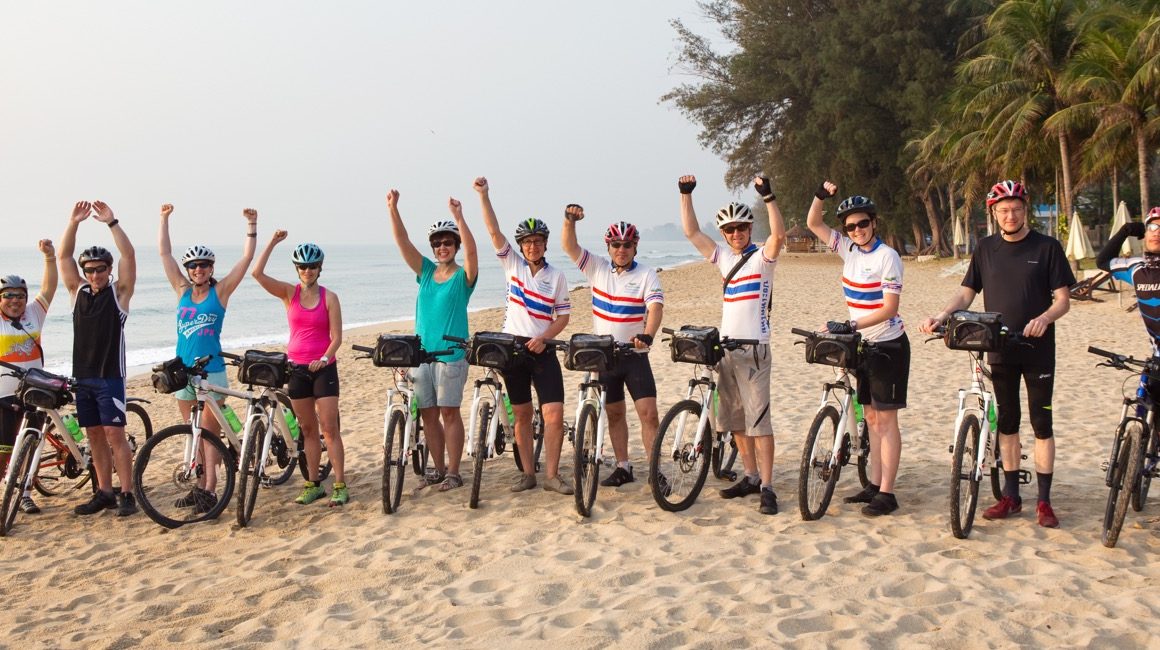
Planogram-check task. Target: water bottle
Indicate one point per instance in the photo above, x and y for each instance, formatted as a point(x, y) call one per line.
point(232, 418)
point(291, 422)
point(858, 413)
point(414, 404)
point(507, 404)
point(73, 427)
point(991, 415)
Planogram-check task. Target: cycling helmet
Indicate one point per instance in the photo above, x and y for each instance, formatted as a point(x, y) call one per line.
point(1006, 190)
point(13, 282)
point(95, 254)
point(196, 253)
point(734, 213)
point(529, 227)
point(307, 254)
point(443, 226)
point(856, 203)
point(1152, 215)
point(621, 231)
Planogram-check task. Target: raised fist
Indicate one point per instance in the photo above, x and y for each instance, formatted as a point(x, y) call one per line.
point(251, 215)
point(686, 184)
point(763, 186)
point(45, 246)
point(481, 185)
point(167, 209)
point(826, 190)
point(393, 198)
point(278, 236)
point(573, 212)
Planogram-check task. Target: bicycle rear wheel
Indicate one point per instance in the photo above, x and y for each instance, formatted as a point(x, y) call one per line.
point(393, 462)
point(676, 475)
point(480, 451)
point(1125, 465)
point(1144, 478)
point(167, 470)
point(724, 455)
point(19, 472)
point(586, 473)
point(964, 485)
point(537, 440)
point(820, 468)
point(250, 474)
point(863, 443)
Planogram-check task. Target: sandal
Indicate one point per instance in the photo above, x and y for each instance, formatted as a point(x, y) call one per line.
point(450, 482)
point(432, 477)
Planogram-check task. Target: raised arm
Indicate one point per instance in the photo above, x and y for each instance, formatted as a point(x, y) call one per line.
point(173, 272)
point(281, 290)
point(49, 278)
point(411, 255)
point(572, 214)
point(1111, 250)
point(776, 240)
point(127, 264)
point(227, 285)
point(498, 241)
point(470, 250)
point(700, 240)
point(68, 242)
point(815, 220)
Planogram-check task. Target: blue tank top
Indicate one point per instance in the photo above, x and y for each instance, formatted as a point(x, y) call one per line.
point(199, 329)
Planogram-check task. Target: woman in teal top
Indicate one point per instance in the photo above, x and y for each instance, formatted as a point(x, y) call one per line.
point(441, 309)
point(201, 310)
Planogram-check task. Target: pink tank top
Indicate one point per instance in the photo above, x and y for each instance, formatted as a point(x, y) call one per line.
point(309, 328)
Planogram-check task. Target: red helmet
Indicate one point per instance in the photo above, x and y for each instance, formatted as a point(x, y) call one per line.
point(621, 231)
point(1006, 190)
point(1153, 214)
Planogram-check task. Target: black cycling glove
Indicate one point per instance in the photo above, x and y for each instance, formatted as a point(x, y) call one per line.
point(644, 338)
point(764, 189)
point(839, 327)
point(823, 193)
point(686, 187)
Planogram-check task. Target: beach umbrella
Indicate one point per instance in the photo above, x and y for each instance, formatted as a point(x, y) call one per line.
point(1131, 247)
point(1078, 245)
point(960, 237)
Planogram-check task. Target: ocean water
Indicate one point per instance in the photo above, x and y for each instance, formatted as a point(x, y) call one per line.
point(372, 282)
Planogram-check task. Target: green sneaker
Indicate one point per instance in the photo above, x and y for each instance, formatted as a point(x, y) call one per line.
point(340, 495)
point(310, 493)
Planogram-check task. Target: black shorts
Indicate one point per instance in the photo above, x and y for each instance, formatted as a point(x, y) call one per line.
point(634, 371)
point(1040, 381)
point(884, 376)
point(541, 370)
point(11, 415)
point(306, 384)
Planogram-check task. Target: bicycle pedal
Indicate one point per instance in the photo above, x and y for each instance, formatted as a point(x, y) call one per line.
point(1024, 477)
point(265, 482)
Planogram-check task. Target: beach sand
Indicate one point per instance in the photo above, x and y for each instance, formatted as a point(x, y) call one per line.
point(525, 570)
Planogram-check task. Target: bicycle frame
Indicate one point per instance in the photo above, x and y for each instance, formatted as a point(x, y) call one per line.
point(405, 392)
point(983, 404)
point(708, 388)
point(493, 395)
point(591, 392)
point(271, 416)
point(82, 457)
point(847, 418)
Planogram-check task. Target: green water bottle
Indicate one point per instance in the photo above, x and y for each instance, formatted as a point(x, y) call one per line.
point(291, 422)
point(414, 404)
point(232, 418)
point(507, 404)
point(858, 413)
point(991, 414)
point(73, 427)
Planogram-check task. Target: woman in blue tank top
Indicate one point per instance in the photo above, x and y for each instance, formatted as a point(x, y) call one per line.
point(201, 311)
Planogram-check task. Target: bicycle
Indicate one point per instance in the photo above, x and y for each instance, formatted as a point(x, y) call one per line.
point(829, 444)
point(402, 427)
point(171, 464)
point(487, 437)
point(680, 458)
point(1133, 459)
point(58, 466)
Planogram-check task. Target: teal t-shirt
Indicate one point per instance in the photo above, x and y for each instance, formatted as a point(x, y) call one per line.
point(441, 309)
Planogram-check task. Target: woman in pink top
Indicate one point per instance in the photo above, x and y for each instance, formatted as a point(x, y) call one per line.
point(315, 336)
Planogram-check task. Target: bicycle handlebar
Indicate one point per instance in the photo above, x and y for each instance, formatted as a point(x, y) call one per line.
point(362, 348)
point(1118, 360)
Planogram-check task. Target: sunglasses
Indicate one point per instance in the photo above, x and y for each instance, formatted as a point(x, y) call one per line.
point(309, 267)
point(534, 242)
point(199, 265)
point(851, 227)
point(1152, 227)
point(729, 230)
point(440, 243)
point(93, 270)
point(621, 244)
point(14, 295)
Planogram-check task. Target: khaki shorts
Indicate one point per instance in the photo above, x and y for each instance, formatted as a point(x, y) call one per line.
point(440, 384)
point(743, 391)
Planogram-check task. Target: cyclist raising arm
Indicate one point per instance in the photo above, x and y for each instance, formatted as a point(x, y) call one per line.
point(1142, 272)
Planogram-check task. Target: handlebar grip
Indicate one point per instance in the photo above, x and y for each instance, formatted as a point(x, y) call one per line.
point(362, 348)
point(801, 332)
point(454, 339)
point(231, 357)
point(668, 330)
point(556, 342)
point(11, 366)
point(1102, 353)
point(440, 353)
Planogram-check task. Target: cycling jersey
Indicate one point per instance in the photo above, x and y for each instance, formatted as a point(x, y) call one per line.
point(620, 300)
point(1143, 273)
point(534, 300)
point(744, 312)
point(20, 347)
point(866, 277)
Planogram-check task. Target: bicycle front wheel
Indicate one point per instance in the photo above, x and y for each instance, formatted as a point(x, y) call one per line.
point(168, 468)
point(964, 483)
point(393, 462)
point(1144, 478)
point(480, 451)
point(19, 472)
point(586, 473)
point(1125, 465)
point(251, 473)
point(680, 457)
point(820, 468)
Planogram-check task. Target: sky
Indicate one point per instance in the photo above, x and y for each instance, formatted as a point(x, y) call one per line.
point(310, 111)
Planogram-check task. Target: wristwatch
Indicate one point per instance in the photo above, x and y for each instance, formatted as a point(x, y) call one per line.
point(325, 359)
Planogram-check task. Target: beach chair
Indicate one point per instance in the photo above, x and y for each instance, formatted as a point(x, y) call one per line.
point(1085, 289)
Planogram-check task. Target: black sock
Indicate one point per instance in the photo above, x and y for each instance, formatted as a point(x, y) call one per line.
point(1044, 486)
point(1011, 484)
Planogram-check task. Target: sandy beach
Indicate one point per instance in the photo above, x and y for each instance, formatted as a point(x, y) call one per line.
point(526, 571)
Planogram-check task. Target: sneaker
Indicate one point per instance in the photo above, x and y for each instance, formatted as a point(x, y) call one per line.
point(556, 484)
point(526, 482)
point(311, 492)
point(619, 477)
point(883, 503)
point(865, 496)
point(340, 495)
point(100, 501)
point(205, 501)
point(768, 502)
point(189, 500)
point(742, 488)
point(1003, 509)
point(1043, 512)
point(126, 505)
point(28, 506)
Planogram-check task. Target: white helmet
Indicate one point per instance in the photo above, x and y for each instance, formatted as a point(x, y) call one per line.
point(197, 252)
point(734, 213)
point(445, 225)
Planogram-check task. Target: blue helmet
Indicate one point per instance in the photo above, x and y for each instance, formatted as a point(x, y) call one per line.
point(307, 254)
point(856, 203)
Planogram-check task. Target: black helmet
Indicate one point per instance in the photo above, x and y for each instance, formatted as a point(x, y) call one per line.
point(96, 254)
point(856, 203)
point(529, 227)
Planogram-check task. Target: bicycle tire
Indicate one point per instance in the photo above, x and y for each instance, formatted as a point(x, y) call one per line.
point(863, 453)
point(485, 411)
point(723, 460)
point(250, 473)
point(160, 477)
point(324, 465)
point(21, 461)
point(586, 465)
point(1125, 463)
point(1144, 479)
point(820, 469)
point(420, 454)
point(393, 462)
point(997, 476)
point(687, 466)
point(537, 441)
point(964, 455)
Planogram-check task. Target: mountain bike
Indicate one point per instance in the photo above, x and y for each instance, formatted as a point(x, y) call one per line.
point(1133, 459)
point(683, 450)
point(59, 470)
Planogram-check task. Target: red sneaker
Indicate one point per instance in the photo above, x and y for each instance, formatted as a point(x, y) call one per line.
point(1046, 515)
point(1003, 509)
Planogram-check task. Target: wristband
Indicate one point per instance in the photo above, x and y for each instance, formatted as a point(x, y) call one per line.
point(770, 198)
point(325, 359)
point(644, 338)
point(114, 222)
point(252, 234)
